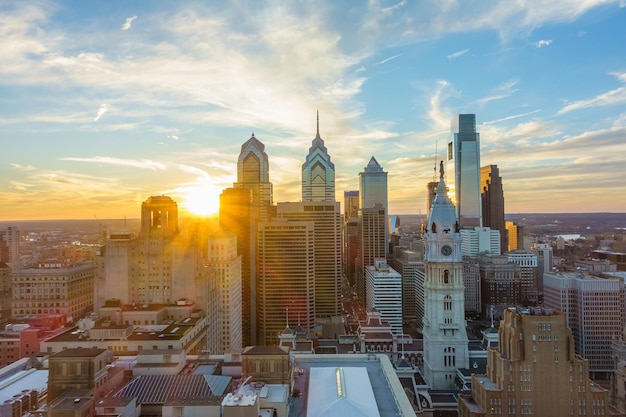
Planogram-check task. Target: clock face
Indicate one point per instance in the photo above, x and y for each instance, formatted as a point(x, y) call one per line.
point(446, 250)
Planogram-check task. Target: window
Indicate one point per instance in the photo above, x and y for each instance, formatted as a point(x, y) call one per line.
point(447, 302)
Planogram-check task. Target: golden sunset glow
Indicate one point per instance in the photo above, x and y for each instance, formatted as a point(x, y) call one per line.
point(201, 200)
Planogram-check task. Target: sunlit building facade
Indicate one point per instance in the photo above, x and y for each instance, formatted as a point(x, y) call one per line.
point(253, 173)
point(384, 293)
point(534, 371)
point(223, 258)
point(492, 201)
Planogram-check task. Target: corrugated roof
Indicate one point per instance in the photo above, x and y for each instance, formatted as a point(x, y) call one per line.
point(155, 389)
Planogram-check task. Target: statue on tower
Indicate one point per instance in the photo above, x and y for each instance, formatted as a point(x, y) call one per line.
point(441, 169)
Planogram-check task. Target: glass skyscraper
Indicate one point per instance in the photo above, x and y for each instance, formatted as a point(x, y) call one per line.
point(463, 166)
point(318, 172)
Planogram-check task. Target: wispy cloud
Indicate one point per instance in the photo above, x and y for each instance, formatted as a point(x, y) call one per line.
point(143, 164)
point(21, 167)
point(101, 110)
point(387, 59)
point(128, 22)
point(173, 137)
point(458, 54)
point(503, 90)
point(543, 42)
point(610, 98)
point(507, 118)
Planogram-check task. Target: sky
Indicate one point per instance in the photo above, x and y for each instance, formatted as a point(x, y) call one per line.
point(106, 103)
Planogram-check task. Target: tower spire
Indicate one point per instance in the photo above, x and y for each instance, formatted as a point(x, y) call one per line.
point(318, 124)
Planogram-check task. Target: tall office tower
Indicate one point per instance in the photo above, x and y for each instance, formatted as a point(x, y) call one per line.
point(500, 284)
point(373, 186)
point(11, 238)
point(480, 240)
point(544, 263)
point(384, 293)
point(53, 290)
point(222, 257)
point(492, 201)
point(471, 281)
point(253, 172)
point(464, 169)
point(527, 262)
point(372, 241)
point(515, 236)
point(594, 310)
point(411, 268)
point(351, 249)
point(159, 217)
point(534, 371)
point(286, 278)
point(350, 205)
point(431, 193)
point(326, 219)
point(5, 293)
point(350, 243)
point(235, 212)
point(318, 172)
point(168, 264)
point(445, 338)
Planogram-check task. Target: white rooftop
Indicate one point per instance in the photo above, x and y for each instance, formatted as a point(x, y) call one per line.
point(341, 392)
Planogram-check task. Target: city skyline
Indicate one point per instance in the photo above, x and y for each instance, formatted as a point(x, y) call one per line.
point(104, 105)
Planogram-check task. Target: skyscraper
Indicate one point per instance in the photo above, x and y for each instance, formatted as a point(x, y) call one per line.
point(223, 258)
point(318, 172)
point(326, 220)
point(10, 239)
point(253, 174)
point(534, 371)
point(515, 236)
point(492, 200)
point(235, 216)
point(463, 164)
point(445, 337)
point(373, 185)
point(372, 222)
point(384, 293)
point(372, 243)
point(286, 277)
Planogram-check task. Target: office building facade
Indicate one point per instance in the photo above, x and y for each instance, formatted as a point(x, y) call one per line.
point(534, 371)
point(253, 174)
point(384, 293)
point(372, 241)
point(10, 243)
point(594, 310)
point(285, 277)
point(463, 169)
point(326, 220)
point(492, 201)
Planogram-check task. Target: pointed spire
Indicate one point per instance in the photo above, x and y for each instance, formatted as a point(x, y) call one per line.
point(318, 125)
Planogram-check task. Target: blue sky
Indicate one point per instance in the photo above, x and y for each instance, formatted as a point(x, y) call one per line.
point(103, 104)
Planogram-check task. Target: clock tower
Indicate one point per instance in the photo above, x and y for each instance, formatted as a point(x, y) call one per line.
point(445, 338)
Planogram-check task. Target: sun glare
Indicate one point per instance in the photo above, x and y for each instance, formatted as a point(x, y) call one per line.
point(201, 200)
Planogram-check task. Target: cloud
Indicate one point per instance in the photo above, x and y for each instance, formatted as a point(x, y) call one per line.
point(21, 167)
point(503, 90)
point(388, 59)
point(103, 109)
point(143, 164)
point(128, 22)
point(458, 54)
point(173, 137)
point(610, 98)
point(543, 42)
point(515, 116)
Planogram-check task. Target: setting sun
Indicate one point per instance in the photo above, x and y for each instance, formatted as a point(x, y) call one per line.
point(201, 200)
